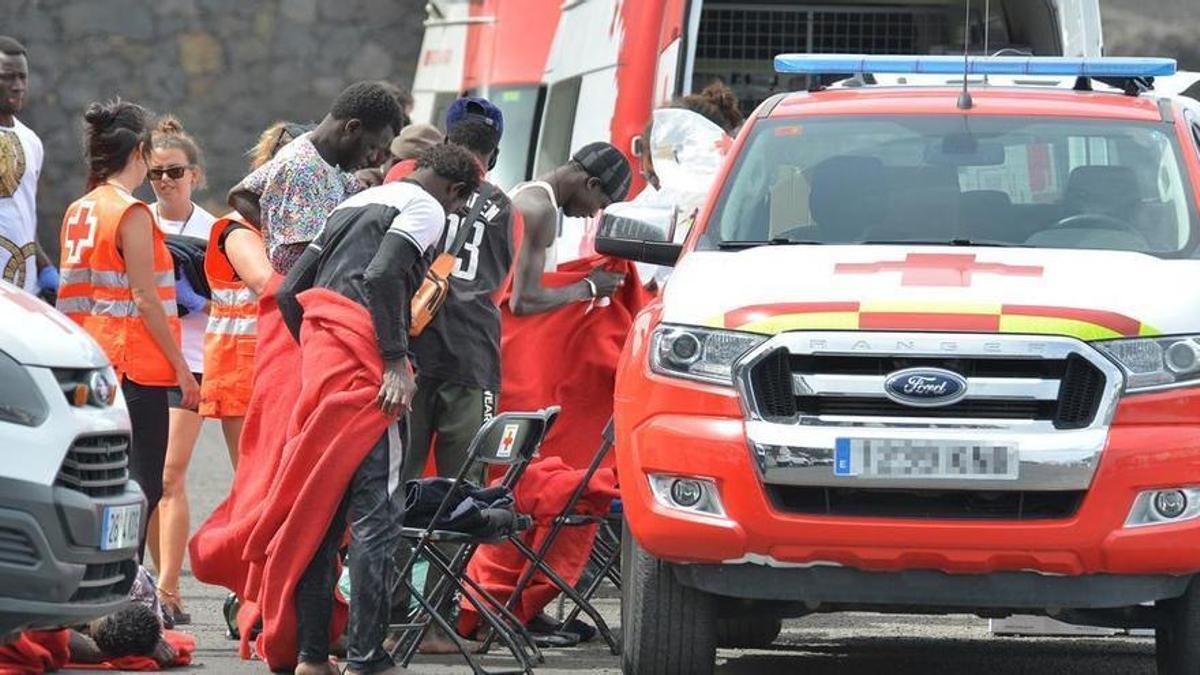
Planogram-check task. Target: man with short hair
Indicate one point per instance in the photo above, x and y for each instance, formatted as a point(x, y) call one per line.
point(352, 291)
point(290, 196)
point(596, 176)
point(20, 166)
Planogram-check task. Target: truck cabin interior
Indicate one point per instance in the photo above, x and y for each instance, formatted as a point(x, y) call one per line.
point(737, 41)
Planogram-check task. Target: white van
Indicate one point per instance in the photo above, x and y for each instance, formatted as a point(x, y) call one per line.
point(70, 518)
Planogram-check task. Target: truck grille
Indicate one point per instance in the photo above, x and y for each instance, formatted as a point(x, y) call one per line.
point(1080, 388)
point(104, 582)
point(16, 548)
point(96, 466)
point(922, 504)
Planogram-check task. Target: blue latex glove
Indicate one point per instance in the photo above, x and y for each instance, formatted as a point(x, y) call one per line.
point(187, 296)
point(48, 279)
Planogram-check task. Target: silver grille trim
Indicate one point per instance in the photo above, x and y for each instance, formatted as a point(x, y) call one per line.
point(991, 388)
point(801, 451)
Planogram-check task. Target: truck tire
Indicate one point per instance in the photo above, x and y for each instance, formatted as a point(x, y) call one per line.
point(667, 628)
point(748, 632)
point(1177, 641)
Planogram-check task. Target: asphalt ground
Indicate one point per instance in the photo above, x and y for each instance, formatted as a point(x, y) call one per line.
point(847, 644)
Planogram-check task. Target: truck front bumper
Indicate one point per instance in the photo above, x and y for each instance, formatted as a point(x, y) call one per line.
point(1151, 452)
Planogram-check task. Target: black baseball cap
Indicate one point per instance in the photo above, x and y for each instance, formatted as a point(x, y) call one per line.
point(605, 162)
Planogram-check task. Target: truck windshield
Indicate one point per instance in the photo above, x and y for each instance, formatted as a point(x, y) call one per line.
point(1017, 181)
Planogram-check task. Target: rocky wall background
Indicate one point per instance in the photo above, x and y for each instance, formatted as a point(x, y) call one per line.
point(226, 68)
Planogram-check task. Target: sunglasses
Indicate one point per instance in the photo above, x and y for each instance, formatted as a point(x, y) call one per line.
point(172, 172)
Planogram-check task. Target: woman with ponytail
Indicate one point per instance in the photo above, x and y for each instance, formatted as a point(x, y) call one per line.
point(118, 283)
point(176, 169)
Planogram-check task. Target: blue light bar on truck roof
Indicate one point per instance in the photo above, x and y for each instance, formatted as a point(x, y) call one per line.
point(835, 64)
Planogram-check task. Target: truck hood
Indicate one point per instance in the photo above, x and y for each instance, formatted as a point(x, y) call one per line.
point(1085, 294)
point(36, 334)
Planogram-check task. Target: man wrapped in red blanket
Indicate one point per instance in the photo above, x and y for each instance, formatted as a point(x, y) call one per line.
point(347, 302)
point(563, 332)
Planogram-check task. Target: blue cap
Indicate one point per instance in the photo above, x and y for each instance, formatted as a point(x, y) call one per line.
point(476, 107)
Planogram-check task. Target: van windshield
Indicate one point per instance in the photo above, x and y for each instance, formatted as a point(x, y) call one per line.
point(1019, 181)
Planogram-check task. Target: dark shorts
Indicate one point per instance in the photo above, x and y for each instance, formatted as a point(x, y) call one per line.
point(175, 395)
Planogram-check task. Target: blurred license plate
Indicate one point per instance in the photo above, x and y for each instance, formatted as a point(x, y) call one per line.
point(887, 458)
point(121, 528)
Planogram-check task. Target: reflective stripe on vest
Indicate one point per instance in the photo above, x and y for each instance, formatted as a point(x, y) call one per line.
point(240, 296)
point(228, 325)
point(117, 308)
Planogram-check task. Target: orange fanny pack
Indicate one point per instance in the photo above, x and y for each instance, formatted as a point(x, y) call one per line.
point(434, 290)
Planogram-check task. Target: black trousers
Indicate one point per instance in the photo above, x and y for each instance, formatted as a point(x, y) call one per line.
point(374, 507)
point(148, 452)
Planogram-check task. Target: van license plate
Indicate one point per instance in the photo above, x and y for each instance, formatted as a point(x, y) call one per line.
point(122, 527)
point(893, 458)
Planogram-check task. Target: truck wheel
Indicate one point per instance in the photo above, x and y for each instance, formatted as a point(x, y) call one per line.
point(667, 628)
point(748, 632)
point(1177, 641)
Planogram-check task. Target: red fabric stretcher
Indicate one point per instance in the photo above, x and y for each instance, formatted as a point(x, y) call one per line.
point(46, 651)
point(542, 493)
point(333, 426)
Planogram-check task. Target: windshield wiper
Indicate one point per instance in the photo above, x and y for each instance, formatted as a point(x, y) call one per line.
point(777, 241)
point(936, 242)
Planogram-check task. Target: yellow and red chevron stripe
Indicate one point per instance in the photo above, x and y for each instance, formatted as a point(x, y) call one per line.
point(1085, 324)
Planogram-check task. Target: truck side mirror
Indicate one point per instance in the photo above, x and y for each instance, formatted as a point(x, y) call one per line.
point(623, 234)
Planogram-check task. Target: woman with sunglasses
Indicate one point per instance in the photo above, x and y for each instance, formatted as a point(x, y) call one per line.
point(118, 283)
point(176, 170)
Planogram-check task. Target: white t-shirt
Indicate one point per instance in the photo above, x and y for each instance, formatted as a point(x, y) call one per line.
point(20, 166)
point(199, 225)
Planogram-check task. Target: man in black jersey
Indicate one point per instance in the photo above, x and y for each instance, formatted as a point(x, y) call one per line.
point(458, 353)
point(372, 251)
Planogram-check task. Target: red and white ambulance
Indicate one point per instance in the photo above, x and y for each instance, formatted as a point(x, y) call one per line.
point(569, 73)
point(925, 350)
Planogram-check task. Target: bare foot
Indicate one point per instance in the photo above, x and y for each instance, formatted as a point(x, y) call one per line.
point(436, 642)
point(310, 668)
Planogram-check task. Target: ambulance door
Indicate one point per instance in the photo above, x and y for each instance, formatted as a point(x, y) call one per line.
point(505, 63)
point(439, 77)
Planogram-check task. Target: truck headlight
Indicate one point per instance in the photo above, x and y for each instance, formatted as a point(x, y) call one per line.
point(1155, 362)
point(20, 402)
point(703, 354)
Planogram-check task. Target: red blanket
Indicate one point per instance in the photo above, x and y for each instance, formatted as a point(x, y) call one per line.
point(35, 651)
point(332, 428)
point(217, 548)
point(542, 493)
point(581, 381)
point(49, 650)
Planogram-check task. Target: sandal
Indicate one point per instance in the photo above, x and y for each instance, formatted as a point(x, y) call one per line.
point(173, 608)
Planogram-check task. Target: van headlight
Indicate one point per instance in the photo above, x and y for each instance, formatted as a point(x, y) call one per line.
point(20, 402)
point(702, 354)
point(1155, 362)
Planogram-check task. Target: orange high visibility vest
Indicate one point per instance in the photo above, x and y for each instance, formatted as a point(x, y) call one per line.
point(231, 335)
point(95, 288)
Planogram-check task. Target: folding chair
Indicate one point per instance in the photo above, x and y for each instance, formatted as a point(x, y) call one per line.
point(508, 439)
point(604, 556)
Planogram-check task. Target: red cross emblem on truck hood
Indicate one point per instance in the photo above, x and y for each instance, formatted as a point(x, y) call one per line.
point(938, 269)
